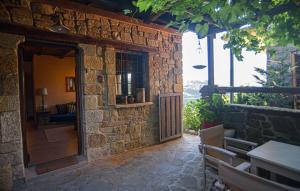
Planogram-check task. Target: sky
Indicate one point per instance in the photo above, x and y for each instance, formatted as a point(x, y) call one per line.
point(195, 54)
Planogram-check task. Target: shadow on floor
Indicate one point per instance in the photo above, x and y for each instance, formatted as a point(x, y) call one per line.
point(175, 165)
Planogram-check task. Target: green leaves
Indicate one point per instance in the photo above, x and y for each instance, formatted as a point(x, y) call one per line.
point(183, 26)
point(144, 5)
point(171, 23)
point(203, 110)
point(127, 11)
point(274, 22)
point(197, 18)
point(201, 29)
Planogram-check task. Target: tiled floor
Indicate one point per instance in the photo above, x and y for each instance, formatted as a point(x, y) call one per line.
point(42, 149)
point(175, 165)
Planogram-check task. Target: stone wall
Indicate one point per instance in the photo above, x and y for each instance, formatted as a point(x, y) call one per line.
point(261, 124)
point(11, 152)
point(107, 129)
point(110, 130)
point(165, 71)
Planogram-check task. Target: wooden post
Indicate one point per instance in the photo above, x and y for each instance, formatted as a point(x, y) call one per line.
point(231, 75)
point(210, 58)
point(295, 59)
point(294, 81)
point(210, 64)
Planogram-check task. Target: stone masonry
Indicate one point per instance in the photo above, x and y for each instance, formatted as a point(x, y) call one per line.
point(172, 166)
point(11, 152)
point(261, 124)
point(107, 129)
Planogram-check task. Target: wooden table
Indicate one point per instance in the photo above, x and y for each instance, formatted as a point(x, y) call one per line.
point(278, 158)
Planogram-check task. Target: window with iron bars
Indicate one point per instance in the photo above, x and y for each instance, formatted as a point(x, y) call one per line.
point(130, 72)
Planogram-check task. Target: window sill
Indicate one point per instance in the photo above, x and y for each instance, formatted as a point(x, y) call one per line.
point(133, 105)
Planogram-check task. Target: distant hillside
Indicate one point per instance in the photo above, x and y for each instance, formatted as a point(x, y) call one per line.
point(191, 90)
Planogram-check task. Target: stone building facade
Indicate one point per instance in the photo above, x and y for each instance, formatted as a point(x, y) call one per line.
point(281, 55)
point(107, 128)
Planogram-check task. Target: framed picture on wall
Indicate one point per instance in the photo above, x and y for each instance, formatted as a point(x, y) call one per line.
point(70, 84)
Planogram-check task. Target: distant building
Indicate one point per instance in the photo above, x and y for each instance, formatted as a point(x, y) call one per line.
point(290, 56)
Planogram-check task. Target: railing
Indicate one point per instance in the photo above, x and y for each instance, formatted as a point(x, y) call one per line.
point(209, 90)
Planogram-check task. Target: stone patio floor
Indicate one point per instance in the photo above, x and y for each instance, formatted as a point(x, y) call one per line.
point(175, 165)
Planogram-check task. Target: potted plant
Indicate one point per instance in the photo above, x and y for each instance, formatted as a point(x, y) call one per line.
point(211, 110)
point(207, 116)
point(203, 113)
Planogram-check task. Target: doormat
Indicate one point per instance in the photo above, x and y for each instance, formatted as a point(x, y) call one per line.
point(60, 133)
point(56, 164)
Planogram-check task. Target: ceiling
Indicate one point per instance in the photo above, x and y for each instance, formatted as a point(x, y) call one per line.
point(31, 49)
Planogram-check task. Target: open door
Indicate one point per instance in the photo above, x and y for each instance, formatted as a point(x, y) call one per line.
point(50, 96)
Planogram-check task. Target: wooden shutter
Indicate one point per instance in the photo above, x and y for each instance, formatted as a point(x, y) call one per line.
point(170, 116)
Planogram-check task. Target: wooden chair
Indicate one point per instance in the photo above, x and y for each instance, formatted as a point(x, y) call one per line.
point(215, 147)
point(237, 179)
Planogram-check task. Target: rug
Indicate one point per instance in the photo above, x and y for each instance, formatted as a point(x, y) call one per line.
point(56, 164)
point(60, 133)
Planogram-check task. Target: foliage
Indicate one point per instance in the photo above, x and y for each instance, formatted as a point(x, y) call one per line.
point(277, 75)
point(203, 110)
point(252, 25)
point(264, 99)
point(191, 116)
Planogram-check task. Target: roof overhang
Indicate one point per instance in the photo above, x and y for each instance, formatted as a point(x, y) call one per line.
point(118, 6)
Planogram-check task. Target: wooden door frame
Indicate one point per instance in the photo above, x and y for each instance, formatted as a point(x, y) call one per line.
point(22, 103)
point(79, 92)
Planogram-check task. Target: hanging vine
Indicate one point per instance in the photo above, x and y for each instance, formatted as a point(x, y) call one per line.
point(250, 24)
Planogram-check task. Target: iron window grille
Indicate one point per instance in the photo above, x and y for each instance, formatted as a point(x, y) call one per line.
point(130, 72)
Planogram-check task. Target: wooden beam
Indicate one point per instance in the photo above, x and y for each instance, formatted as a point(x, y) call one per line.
point(210, 59)
point(70, 54)
point(65, 53)
point(231, 74)
point(208, 90)
point(153, 18)
point(34, 33)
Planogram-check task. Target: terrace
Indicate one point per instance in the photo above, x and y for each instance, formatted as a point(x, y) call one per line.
point(114, 114)
point(175, 165)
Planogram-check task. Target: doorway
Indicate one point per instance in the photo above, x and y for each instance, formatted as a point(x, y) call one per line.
point(50, 98)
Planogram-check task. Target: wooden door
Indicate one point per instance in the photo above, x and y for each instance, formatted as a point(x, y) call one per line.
point(29, 90)
point(22, 96)
point(79, 97)
point(170, 116)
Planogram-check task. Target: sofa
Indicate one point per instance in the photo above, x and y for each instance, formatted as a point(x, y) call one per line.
point(66, 113)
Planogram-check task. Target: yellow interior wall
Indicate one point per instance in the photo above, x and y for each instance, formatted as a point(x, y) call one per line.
point(50, 72)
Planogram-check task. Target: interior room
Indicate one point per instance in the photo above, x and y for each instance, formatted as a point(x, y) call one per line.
point(50, 106)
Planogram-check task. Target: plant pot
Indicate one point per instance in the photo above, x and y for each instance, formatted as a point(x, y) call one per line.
point(207, 124)
point(229, 132)
point(130, 99)
point(140, 95)
point(121, 99)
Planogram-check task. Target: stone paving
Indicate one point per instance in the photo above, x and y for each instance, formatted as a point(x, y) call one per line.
point(175, 165)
